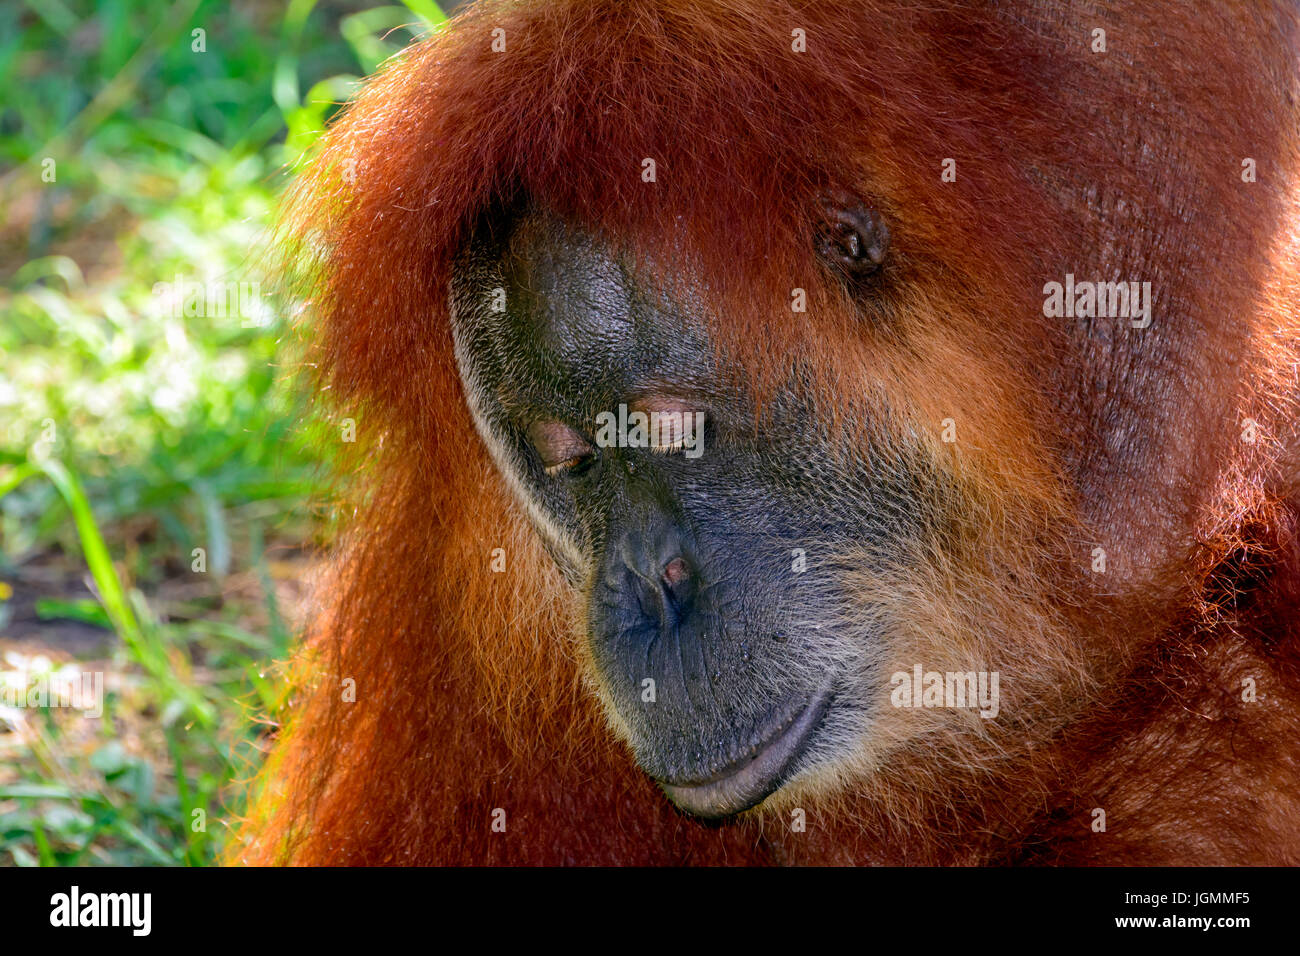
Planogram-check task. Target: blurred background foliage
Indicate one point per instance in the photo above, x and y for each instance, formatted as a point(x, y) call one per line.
point(161, 498)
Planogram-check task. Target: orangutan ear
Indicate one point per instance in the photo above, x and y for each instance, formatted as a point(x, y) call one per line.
point(852, 237)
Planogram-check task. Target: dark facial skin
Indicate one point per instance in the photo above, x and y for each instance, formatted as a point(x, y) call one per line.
point(690, 566)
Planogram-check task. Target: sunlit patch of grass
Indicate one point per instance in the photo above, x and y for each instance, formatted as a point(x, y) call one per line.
point(159, 499)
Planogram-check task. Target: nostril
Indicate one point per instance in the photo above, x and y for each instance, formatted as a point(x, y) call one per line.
point(663, 592)
point(675, 572)
point(678, 579)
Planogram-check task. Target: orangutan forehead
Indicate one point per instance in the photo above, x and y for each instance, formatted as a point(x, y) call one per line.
point(569, 292)
point(577, 311)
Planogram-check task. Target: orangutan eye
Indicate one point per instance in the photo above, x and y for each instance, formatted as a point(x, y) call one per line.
point(674, 431)
point(569, 464)
point(559, 447)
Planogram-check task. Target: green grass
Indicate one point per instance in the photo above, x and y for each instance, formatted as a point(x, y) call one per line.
point(158, 488)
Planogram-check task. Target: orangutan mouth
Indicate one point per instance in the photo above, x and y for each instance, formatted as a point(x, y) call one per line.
point(748, 781)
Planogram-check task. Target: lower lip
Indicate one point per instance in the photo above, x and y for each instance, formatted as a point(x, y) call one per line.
point(756, 778)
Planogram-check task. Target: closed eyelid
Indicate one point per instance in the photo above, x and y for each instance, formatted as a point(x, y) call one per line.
point(557, 443)
point(676, 420)
point(664, 404)
point(673, 424)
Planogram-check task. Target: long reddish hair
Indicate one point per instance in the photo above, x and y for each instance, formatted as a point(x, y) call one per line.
point(470, 686)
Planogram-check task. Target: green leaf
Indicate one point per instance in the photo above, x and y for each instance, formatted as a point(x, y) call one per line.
point(84, 610)
point(44, 791)
point(110, 759)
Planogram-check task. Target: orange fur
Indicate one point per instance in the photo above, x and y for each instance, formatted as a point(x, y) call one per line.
point(473, 689)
